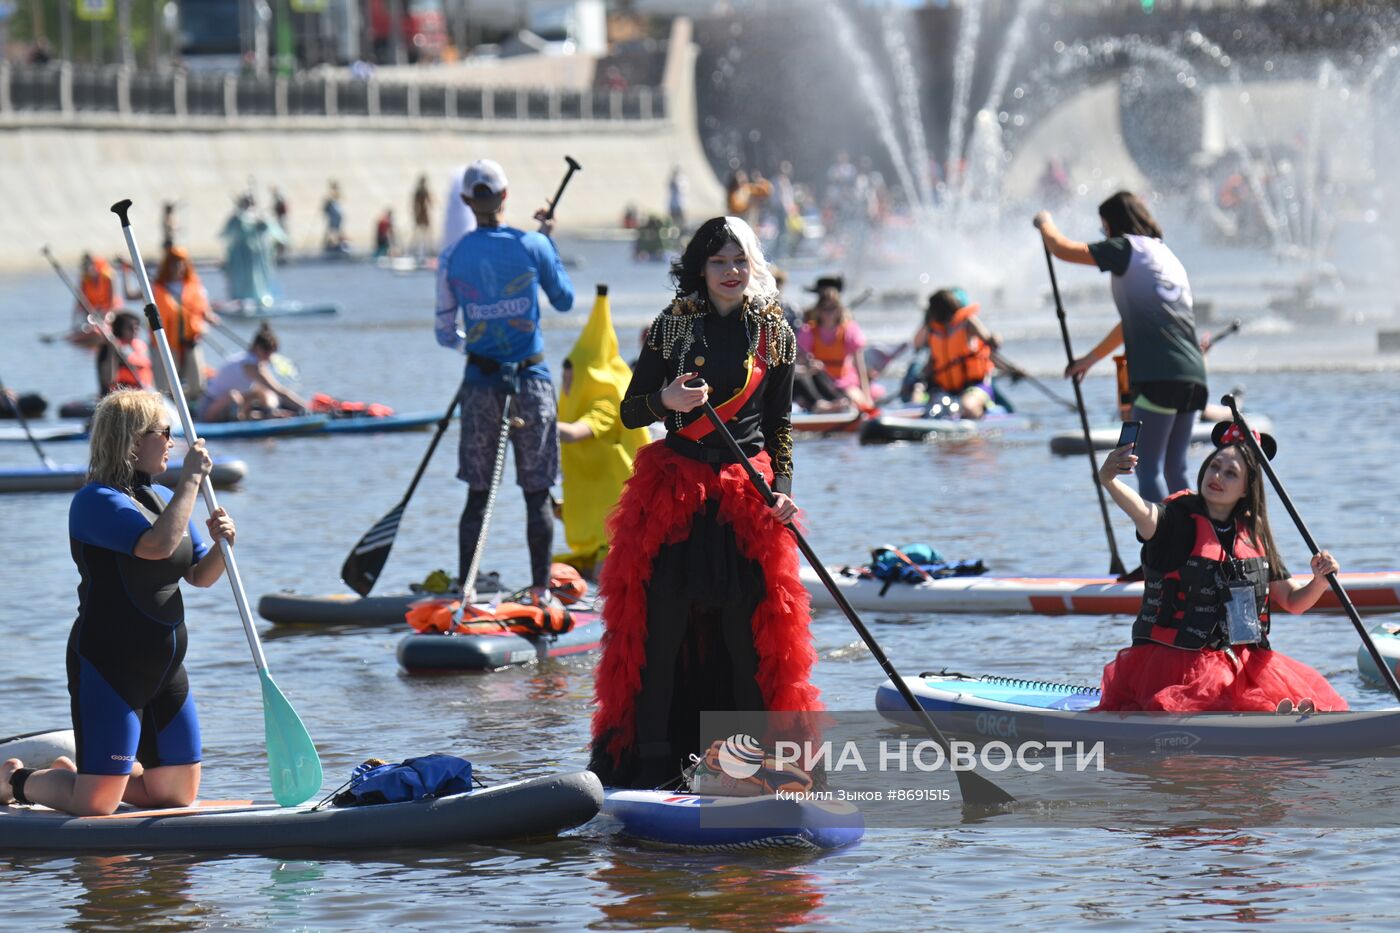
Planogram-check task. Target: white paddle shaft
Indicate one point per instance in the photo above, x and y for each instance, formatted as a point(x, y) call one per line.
point(206, 488)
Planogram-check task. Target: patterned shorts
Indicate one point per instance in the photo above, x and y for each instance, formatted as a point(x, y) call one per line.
point(536, 442)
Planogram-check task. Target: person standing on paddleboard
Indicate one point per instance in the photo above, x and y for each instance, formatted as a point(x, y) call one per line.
point(1201, 639)
point(1157, 331)
point(488, 307)
point(701, 598)
point(134, 718)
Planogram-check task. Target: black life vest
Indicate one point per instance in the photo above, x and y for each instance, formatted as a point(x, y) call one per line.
point(1185, 607)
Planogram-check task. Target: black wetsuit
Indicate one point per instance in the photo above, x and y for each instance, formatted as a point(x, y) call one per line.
point(126, 678)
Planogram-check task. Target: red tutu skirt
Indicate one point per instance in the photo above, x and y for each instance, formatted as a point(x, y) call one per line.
point(1157, 677)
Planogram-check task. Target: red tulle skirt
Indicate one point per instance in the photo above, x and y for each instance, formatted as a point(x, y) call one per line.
point(1157, 677)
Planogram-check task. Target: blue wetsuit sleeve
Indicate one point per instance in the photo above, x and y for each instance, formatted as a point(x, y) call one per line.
point(445, 323)
point(107, 518)
point(553, 279)
point(197, 536)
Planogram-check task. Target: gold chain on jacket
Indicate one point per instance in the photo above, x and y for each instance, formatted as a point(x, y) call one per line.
point(673, 331)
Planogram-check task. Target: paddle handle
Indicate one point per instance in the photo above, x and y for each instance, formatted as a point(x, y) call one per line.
point(1115, 564)
point(1387, 672)
point(971, 783)
point(177, 394)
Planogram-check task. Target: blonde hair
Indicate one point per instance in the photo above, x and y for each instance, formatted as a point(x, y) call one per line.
point(117, 424)
point(762, 285)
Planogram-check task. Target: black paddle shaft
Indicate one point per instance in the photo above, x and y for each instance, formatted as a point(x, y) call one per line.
point(366, 559)
point(1018, 373)
point(1115, 564)
point(24, 423)
point(93, 317)
point(976, 790)
point(554, 202)
point(1220, 335)
point(1386, 672)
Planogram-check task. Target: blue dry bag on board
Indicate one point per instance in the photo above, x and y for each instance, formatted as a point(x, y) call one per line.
point(413, 779)
point(887, 565)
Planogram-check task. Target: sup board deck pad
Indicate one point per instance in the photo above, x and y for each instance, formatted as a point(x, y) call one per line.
point(696, 821)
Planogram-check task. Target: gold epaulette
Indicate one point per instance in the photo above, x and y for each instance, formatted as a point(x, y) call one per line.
point(674, 328)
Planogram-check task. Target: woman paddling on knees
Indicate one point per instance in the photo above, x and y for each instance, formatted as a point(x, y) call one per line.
point(702, 601)
point(1157, 331)
point(133, 716)
point(1201, 640)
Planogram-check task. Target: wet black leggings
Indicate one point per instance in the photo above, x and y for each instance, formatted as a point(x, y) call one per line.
point(539, 532)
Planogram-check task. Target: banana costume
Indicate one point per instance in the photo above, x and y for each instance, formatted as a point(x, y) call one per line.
point(595, 469)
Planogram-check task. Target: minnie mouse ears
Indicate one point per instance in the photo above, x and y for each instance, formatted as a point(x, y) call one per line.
point(1227, 432)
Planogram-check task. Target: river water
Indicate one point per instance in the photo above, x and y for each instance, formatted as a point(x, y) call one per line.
point(1205, 845)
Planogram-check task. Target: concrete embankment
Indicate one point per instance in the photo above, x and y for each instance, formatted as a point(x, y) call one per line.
point(59, 174)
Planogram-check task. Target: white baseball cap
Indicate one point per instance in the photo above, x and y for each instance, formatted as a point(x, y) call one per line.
point(484, 172)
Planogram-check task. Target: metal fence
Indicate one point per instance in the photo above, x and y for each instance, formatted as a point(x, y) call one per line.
point(65, 88)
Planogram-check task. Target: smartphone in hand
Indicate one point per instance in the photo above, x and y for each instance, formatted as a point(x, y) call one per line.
point(1129, 434)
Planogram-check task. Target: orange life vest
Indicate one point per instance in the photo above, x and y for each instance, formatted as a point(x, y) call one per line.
point(100, 291)
point(832, 353)
point(435, 615)
point(958, 358)
point(136, 371)
point(1185, 607)
point(184, 321)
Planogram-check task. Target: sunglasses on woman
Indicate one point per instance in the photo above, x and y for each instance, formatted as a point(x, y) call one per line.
point(163, 432)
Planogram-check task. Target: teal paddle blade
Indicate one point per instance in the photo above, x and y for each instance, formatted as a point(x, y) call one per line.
point(292, 762)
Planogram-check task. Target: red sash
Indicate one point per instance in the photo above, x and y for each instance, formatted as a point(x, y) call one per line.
point(757, 367)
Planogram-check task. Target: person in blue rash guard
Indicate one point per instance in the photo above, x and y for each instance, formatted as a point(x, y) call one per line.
point(133, 715)
point(488, 307)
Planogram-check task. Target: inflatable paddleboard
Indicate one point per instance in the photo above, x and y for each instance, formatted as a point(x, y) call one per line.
point(1374, 591)
point(288, 608)
point(45, 433)
point(222, 430)
point(434, 652)
point(226, 474)
point(704, 822)
point(38, 748)
point(834, 422)
point(888, 428)
point(1072, 442)
point(252, 311)
point(410, 421)
point(1010, 710)
point(1387, 639)
point(537, 806)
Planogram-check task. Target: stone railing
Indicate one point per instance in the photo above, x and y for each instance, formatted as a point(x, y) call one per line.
point(74, 91)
